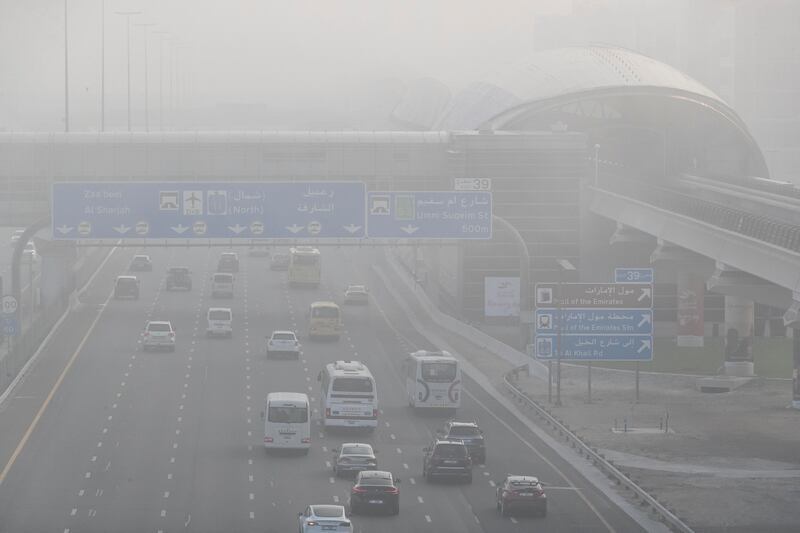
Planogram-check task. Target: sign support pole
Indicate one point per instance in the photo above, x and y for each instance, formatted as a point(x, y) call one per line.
point(637, 381)
point(589, 383)
point(558, 354)
point(550, 381)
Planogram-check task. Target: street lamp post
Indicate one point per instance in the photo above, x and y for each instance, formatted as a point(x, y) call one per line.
point(128, 15)
point(66, 71)
point(163, 34)
point(146, 83)
point(596, 164)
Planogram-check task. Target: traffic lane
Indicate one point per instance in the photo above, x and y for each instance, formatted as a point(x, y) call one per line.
point(51, 465)
point(399, 437)
point(563, 506)
point(596, 508)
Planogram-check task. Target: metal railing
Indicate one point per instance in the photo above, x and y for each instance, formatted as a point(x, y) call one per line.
point(666, 516)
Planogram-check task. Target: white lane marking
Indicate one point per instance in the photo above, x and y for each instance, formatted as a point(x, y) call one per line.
point(174, 445)
point(392, 436)
point(249, 461)
point(166, 494)
point(486, 473)
point(93, 459)
point(177, 431)
point(399, 450)
point(252, 496)
point(163, 512)
point(427, 518)
point(251, 478)
point(88, 475)
point(171, 459)
point(81, 492)
point(335, 498)
point(387, 424)
point(108, 466)
point(169, 476)
point(327, 464)
point(413, 482)
point(324, 448)
point(100, 444)
point(420, 500)
point(513, 520)
point(492, 483)
point(113, 406)
point(73, 512)
point(188, 519)
point(331, 479)
point(252, 515)
point(105, 430)
point(405, 466)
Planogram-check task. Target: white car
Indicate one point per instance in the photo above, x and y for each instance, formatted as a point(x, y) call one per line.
point(158, 334)
point(220, 321)
point(356, 294)
point(283, 342)
point(16, 235)
point(324, 518)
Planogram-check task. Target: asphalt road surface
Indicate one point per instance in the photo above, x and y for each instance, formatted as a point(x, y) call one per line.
point(172, 442)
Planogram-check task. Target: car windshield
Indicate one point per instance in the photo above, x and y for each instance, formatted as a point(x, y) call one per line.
point(141, 258)
point(219, 315)
point(283, 336)
point(325, 312)
point(464, 431)
point(439, 372)
point(352, 385)
point(356, 288)
point(451, 450)
point(178, 271)
point(288, 415)
point(328, 511)
point(126, 281)
point(159, 327)
point(305, 259)
point(223, 278)
point(356, 450)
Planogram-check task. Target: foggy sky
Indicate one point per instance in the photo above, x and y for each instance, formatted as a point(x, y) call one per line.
point(280, 53)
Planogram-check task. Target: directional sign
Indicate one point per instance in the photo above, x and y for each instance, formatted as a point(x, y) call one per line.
point(430, 215)
point(159, 210)
point(8, 305)
point(595, 321)
point(633, 275)
point(595, 347)
point(9, 325)
point(595, 295)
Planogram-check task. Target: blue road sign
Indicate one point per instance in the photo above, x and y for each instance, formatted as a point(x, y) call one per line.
point(430, 215)
point(209, 210)
point(9, 325)
point(595, 321)
point(595, 347)
point(633, 275)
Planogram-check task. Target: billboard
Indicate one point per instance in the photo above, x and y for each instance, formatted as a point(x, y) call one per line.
point(501, 297)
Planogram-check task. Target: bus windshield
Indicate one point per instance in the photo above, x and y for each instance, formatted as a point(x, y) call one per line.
point(352, 385)
point(439, 372)
point(305, 259)
point(288, 414)
point(325, 312)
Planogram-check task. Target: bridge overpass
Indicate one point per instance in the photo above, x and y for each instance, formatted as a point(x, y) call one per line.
point(568, 136)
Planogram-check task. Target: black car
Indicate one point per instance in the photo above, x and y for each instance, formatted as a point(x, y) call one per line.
point(375, 489)
point(447, 459)
point(141, 263)
point(228, 262)
point(179, 278)
point(126, 287)
point(470, 434)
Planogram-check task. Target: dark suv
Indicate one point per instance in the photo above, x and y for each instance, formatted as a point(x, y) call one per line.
point(126, 287)
point(470, 434)
point(179, 278)
point(447, 459)
point(228, 262)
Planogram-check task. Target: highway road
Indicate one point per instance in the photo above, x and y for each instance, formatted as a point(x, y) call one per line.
point(172, 442)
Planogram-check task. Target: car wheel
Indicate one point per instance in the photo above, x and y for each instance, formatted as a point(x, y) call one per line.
point(353, 508)
point(305, 451)
point(395, 509)
point(172, 349)
point(469, 479)
point(543, 512)
point(498, 506)
point(503, 510)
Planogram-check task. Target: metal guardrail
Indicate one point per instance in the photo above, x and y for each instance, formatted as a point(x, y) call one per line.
point(662, 513)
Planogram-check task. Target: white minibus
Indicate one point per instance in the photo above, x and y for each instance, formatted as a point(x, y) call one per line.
point(433, 380)
point(287, 422)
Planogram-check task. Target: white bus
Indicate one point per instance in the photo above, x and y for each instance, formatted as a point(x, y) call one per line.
point(433, 380)
point(348, 396)
point(287, 424)
point(305, 266)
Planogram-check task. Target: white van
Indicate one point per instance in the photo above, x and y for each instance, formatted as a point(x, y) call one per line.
point(220, 321)
point(222, 285)
point(287, 421)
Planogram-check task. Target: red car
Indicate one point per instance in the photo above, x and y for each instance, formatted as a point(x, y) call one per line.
point(521, 493)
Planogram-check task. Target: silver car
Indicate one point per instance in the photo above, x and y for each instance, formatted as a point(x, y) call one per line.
point(353, 457)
